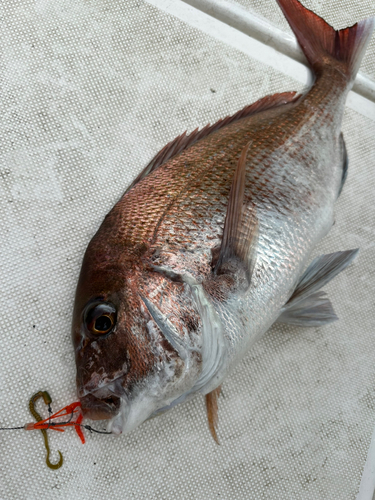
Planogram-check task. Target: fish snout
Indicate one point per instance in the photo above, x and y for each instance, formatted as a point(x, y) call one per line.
point(100, 408)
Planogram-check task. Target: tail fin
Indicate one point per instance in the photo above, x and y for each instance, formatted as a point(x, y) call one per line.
point(318, 39)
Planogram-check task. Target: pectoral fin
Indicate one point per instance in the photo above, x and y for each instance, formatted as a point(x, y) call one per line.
point(307, 306)
point(212, 411)
point(234, 266)
point(240, 228)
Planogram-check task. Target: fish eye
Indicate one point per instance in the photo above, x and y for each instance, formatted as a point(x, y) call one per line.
point(100, 318)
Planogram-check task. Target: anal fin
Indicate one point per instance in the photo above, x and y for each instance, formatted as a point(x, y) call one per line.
point(307, 306)
point(212, 411)
point(315, 310)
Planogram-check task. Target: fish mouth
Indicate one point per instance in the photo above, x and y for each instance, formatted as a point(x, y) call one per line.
point(98, 407)
point(101, 403)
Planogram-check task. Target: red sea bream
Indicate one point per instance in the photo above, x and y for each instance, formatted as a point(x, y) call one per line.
point(210, 245)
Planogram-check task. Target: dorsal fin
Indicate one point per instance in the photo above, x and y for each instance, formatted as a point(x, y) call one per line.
point(183, 141)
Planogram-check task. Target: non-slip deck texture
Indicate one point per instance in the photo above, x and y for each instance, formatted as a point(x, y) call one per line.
point(90, 91)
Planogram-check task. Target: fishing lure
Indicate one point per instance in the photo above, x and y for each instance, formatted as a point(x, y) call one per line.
point(47, 399)
point(69, 416)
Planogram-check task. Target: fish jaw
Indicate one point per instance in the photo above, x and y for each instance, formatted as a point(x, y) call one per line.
point(127, 408)
point(158, 392)
point(100, 408)
point(143, 402)
point(127, 398)
point(128, 404)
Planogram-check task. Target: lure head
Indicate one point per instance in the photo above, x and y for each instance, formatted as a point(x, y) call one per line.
point(137, 336)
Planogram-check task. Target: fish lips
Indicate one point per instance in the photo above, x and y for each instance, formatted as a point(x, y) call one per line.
point(100, 407)
point(103, 403)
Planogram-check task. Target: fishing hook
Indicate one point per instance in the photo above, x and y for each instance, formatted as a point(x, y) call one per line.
point(47, 399)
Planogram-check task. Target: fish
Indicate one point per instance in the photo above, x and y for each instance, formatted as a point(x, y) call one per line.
point(211, 243)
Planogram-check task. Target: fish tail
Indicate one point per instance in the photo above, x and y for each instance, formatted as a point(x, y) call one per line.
point(322, 45)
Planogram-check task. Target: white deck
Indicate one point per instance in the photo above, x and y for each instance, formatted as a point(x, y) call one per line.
point(90, 91)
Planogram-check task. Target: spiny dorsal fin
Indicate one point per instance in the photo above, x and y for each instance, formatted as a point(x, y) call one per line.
point(183, 141)
point(240, 228)
point(212, 411)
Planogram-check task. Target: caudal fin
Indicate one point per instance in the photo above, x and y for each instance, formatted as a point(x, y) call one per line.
point(322, 45)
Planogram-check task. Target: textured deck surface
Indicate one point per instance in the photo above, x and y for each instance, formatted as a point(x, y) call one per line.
point(90, 91)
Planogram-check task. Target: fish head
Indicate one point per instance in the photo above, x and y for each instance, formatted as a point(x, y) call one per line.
point(137, 338)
